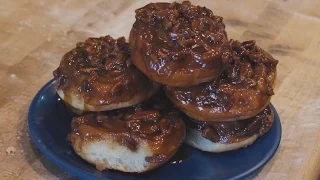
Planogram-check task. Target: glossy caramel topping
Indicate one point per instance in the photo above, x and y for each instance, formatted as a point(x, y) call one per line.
point(235, 131)
point(243, 89)
point(155, 122)
point(179, 38)
point(100, 71)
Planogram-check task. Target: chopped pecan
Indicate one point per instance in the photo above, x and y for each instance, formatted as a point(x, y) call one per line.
point(157, 158)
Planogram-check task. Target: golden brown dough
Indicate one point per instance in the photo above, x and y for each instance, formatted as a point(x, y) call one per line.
point(227, 136)
point(134, 139)
point(98, 75)
point(179, 44)
point(240, 92)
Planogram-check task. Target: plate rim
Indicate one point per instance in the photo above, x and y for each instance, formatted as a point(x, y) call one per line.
point(51, 156)
point(78, 172)
point(258, 167)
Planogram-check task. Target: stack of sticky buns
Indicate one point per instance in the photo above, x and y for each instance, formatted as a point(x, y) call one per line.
point(179, 79)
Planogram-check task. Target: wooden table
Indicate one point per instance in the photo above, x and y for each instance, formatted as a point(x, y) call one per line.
point(35, 34)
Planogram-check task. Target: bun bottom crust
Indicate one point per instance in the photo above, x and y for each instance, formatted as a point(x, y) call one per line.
point(109, 154)
point(77, 104)
point(195, 139)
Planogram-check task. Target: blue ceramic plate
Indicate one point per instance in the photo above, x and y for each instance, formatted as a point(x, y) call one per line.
point(49, 123)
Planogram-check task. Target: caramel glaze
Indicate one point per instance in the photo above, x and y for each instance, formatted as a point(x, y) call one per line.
point(100, 71)
point(155, 122)
point(240, 92)
point(235, 131)
point(179, 44)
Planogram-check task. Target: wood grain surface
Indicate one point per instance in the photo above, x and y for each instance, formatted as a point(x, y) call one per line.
point(34, 34)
